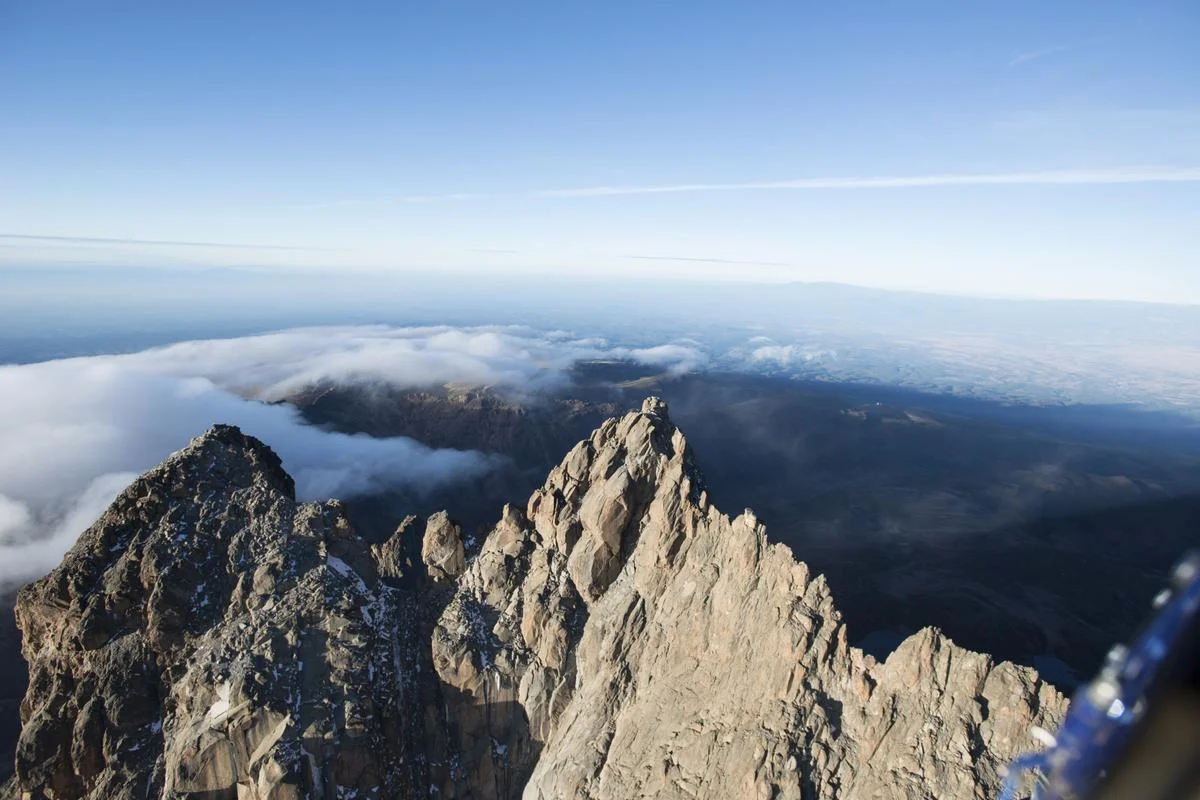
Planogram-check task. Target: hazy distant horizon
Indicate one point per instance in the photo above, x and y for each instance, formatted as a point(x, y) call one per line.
point(517, 275)
point(1020, 351)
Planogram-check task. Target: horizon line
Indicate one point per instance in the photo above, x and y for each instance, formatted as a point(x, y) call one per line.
point(31, 237)
point(375, 271)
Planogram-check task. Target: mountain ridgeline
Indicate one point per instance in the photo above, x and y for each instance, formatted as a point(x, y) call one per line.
point(1037, 534)
point(618, 636)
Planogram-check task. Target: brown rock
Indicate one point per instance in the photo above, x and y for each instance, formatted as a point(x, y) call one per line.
point(392, 557)
point(442, 548)
point(618, 637)
point(658, 648)
point(208, 636)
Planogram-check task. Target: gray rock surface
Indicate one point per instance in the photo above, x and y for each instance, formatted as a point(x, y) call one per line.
point(658, 648)
point(442, 550)
point(209, 637)
point(618, 637)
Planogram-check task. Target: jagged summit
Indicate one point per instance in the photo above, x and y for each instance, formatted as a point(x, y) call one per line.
point(655, 406)
point(617, 637)
point(224, 451)
point(657, 647)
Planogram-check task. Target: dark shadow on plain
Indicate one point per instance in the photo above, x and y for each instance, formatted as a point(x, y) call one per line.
point(14, 677)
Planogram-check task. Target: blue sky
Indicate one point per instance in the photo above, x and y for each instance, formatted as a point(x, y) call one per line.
point(1013, 148)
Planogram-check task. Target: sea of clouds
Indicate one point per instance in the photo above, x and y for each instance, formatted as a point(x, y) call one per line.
point(75, 432)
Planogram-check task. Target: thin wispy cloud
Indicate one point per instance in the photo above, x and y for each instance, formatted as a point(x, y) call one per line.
point(104, 240)
point(1074, 177)
point(1035, 55)
point(1123, 175)
point(694, 260)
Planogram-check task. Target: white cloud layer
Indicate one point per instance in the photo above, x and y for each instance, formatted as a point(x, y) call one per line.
point(787, 355)
point(75, 432)
point(274, 366)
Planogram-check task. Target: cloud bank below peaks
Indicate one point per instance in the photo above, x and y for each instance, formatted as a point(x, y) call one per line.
point(275, 366)
point(75, 432)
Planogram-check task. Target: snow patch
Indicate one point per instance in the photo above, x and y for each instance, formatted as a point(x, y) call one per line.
point(345, 570)
point(221, 706)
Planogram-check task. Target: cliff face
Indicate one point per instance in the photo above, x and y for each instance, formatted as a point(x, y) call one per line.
point(13, 680)
point(618, 637)
point(209, 636)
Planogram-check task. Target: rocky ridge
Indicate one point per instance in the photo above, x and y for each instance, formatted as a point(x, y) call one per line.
point(618, 637)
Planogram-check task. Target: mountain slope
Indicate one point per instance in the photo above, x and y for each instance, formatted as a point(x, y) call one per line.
point(619, 637)
point(659, 648)
point(918, 509)
point(209, 632)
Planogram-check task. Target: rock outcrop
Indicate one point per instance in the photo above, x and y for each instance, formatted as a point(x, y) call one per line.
point(618, 637)
point(210, 637)
point(442, 550)
point(658, 648)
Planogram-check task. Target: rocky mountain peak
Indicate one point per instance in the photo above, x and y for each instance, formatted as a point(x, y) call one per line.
point(655, 406)
point(227, 449)
point(209, 633)
point(656, 647)
point(616, 636)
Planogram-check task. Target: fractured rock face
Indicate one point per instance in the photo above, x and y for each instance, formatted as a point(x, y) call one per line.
point(616, 637)
point(657, 648)
point(442, 549)
point(210, 637)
